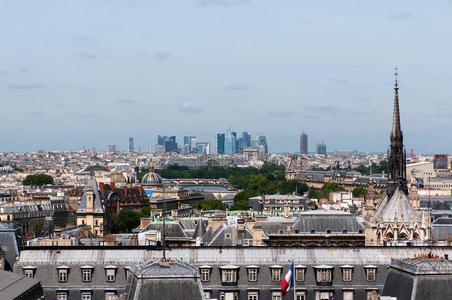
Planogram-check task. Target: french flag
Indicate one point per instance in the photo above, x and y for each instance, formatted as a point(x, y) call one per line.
point(288, 281)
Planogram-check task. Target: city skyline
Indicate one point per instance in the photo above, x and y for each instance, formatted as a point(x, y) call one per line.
point(257, 65)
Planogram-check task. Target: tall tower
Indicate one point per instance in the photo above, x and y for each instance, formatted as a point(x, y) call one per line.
point(397, 154)
point(131, 145)
point(303, 143)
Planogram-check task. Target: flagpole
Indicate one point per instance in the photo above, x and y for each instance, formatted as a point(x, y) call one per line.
point(294, 280)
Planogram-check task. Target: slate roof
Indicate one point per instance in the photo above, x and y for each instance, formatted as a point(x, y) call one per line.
point(397, 206)
point(164, 280)
point(15, 286)
point(97, 198)
point(419, 278)
point(321, 221)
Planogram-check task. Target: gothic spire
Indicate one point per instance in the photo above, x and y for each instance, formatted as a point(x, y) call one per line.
point(396, 113)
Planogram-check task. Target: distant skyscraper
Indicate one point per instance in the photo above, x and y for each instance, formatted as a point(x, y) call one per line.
point(111, 148)
point(220, 143)
point(131, 145)
point(320, 148)
point(229, 142)
point(304, 143)
point(263, 141)
point(170, 144)
point(246, 139)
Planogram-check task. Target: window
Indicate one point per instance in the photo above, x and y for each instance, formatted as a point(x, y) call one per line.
point(207, 294)
point(323, 275)
point(324, 295)
point(86, 275)
point(229, 296)
point(371, 295)
point(229, 275)
point(299, 274)
point(110, 295)
point(62, 275)
point(348, 295)
point(347, 274)
point(300, 295)
point(110, 275)
point(276, 296)
point(252, 274)
point(253, 296)
point(86, 295)
point(371, 274)
point(61, 295)
point(205, 274)
point(29, 273)
point(276, 274)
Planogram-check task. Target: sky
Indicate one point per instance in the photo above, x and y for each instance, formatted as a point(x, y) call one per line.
point(95, 72)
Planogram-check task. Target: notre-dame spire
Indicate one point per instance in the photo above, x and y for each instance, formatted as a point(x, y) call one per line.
point(397, 155)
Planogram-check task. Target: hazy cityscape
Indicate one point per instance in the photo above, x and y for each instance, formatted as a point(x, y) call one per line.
point(225, 149)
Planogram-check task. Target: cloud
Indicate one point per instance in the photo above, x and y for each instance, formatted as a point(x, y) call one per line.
point(280, 114)
point(339, 80)
point(238, 87)
point(188, 107)
point(326, 109)
point(163, 55)
point(357, 112)
point(224, 2)
point(126, 101)
point(401, 16)
point(85, 38)
point(26, 86)
point(87, 56)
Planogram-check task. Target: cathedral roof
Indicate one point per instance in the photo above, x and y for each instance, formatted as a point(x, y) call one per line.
point(397, 206)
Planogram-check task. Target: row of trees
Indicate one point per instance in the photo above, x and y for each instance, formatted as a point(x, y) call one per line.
point(381, 168)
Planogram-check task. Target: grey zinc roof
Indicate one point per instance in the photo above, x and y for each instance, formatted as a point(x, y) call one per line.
point(97, 199)
point(398, 206)
point(321, 221)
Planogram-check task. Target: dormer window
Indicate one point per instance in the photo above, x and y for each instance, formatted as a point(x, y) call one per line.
point(328, 231)
point(29, 271)
point(276, 273)
point(87, 273)
point(371, 272)
point(110, 273)
point(347, 273)
point(63, 273)
point(252, 273)
point(205, 273)
point(299, 273)
point(229, 275)
point(324, 274)
point(312, 231)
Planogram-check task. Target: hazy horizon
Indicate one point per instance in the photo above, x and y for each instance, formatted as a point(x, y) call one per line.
point(96, 72)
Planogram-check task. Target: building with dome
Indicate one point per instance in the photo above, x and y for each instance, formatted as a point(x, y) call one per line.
point(397, 219)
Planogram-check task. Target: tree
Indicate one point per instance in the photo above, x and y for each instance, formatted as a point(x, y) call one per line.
point(240, 205)
point(359, 192)
point(125, 221)
point(37, 229)
point(37, 180)
point(209, 204)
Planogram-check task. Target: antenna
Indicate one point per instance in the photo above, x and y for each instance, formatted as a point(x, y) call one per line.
point(396, 74)
point(164, 217)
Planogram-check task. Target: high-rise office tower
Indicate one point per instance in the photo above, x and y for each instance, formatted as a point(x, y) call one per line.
point(229, 142)
point(246, 139)
point(304, 143)
point(170, 144)
point(111, 148)
point(220, 143)
point(320, 148)
point(131, 145)
point(263, 141)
